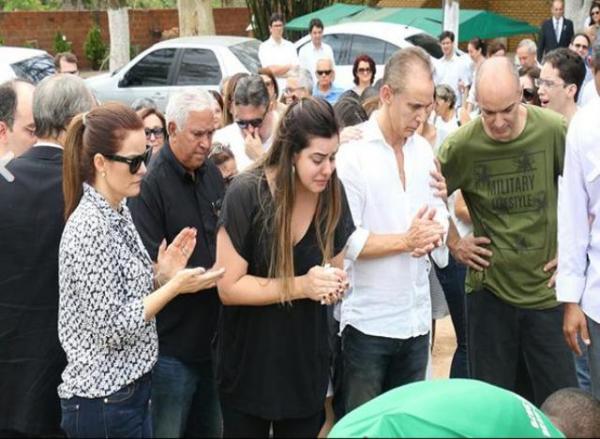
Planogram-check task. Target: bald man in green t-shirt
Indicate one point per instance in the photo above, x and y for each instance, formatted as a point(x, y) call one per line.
point(507, 164)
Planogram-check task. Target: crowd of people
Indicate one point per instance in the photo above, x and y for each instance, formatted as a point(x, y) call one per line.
point(267, 258)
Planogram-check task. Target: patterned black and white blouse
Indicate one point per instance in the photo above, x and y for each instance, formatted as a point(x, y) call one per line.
point(104, 274)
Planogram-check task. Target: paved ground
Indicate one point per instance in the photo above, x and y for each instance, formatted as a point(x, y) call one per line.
point(443, 348)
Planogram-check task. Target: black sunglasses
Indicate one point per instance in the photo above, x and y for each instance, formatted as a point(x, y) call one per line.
point(245, 123)
point(364, 70)
point(134, 162)
point(323, 72)
point(528, 94)
point(158, 132)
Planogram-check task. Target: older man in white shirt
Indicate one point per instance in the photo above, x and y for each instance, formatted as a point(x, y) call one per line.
point(277, 53)
point(386, 318)
point(578, 279)
point(312, 52)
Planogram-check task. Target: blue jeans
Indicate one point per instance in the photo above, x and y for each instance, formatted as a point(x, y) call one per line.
point(452, 279)
point(582, 367)
point(125, 413)
point(373, 365)
point(594, 356)
point(184, 399)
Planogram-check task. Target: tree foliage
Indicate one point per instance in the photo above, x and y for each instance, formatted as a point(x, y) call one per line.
point(60, 43)
point(262, 9)
point(95, 49)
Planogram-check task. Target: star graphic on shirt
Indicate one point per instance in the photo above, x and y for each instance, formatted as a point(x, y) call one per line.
point(482, 174)
point(524, 163)
point(3, 162)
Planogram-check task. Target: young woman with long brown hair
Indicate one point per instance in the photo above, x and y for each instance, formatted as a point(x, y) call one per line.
point(284, 226)
point(107, 281)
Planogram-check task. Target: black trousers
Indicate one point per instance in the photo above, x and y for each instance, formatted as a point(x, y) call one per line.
point(239, 424)
point(500, 335)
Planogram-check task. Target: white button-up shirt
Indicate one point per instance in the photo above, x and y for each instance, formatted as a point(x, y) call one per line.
point(272, 53)
point(390, 295)
point(309, 55)
point(578, 279)
point(232, 136)
point(451, 72)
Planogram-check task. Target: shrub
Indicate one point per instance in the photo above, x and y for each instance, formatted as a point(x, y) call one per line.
point(60, 43)
point(94, 48)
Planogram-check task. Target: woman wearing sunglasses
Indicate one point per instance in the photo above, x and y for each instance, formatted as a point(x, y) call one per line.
point(109, 289)
point(363, 71)
point(282, 223)
point(154, 128)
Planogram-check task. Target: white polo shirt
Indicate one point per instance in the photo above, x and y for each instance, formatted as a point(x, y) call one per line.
point(272, 53)
point(390, 295)
point(309, 55)
point(451, 72)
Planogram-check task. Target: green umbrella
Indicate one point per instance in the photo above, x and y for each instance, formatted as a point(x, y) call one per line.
point(329, 15)
point(446, 408)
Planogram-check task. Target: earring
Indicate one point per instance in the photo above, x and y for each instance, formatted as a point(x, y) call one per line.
point(104, 174)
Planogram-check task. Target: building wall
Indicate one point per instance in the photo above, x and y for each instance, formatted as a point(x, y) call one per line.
point(532, 11)
point(146, 27)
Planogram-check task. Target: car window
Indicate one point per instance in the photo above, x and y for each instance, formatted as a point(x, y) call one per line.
point(247, 53)
point(374, 47)
point(390, 49)
point(340, 44)
point(152, 70)
point(34, 69)
point(427, 42)
point(199, 67)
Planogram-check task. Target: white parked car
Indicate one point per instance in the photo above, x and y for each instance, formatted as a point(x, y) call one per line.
point(379, 40)
point(20, 62)
point(175, 64)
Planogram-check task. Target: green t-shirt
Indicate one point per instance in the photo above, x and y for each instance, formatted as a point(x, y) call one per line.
point(446, 408)
point(511, 191)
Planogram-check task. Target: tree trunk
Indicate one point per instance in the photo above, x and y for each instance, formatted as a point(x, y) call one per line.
point(451, 10)
point(118, 27)
point(577, 11)
point(195, 17)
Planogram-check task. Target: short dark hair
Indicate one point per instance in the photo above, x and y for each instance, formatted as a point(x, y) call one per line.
point(315, 22)
point(363, 58)
point(447, 34)
point(574, 412)
point(8, 103)
point(570, 66)
point(276, 16)
point(349, 111)
point(479, 44)
point(584, 35)
point(495, 46)
point(251, 90)
point(67, 56)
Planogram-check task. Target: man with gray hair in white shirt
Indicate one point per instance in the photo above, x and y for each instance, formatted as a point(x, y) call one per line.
point(578, 278)
point(400, 218)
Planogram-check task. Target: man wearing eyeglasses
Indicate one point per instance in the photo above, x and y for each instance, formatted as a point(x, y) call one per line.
point(560, 81)
point(298, 85)
point(66, 62)
point(581, 45)
point(277, 53)
point(31, 225)
point(507, 164)
point(325, 87)
point(251, 132)
point(17, 129)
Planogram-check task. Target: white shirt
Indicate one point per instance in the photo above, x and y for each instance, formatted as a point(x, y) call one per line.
point(578, 279)
point(390, 295)
point(232, 136)
point(272, 53)
point(309, 55)
point(588, 93)
point(451, 72)
point(557, 23)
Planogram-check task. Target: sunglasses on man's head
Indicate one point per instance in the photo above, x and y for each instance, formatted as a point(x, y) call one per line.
point(158, 132)
point(323, 72)
point(134, 162)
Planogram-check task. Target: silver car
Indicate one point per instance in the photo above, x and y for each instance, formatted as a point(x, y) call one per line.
point(25, 63)
point(174, 64)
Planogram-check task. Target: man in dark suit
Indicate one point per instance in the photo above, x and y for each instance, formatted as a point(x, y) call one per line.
point(556, 31)
point(31, 224)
